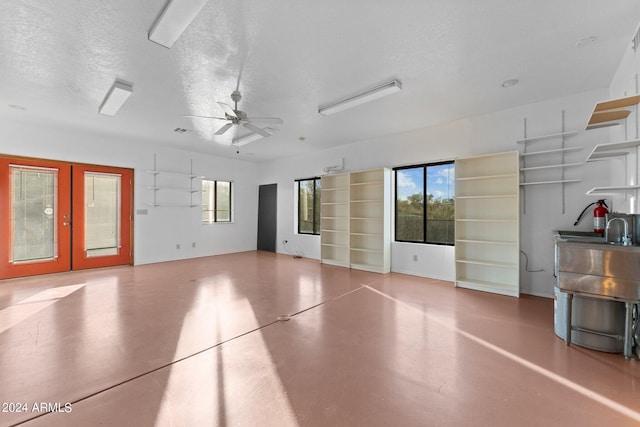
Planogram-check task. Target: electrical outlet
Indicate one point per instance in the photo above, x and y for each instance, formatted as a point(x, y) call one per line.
point(193, 245)
point(415, 258)
point(177, 245)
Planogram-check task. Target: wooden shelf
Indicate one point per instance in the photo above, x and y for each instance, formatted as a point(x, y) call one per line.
point(546, 137)
point(356, 184)
point(611, 111)
point(617, 103)
point(608, 116)
point(334, 245)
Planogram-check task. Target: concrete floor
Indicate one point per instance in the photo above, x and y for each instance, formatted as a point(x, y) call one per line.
point(199, 343)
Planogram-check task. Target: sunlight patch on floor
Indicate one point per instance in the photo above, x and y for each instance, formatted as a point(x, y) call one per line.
point(213, 386)
point(17, 313)
point(628, 412)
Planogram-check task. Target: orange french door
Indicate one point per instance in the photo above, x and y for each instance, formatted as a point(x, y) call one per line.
point(35, 217)
point(57, 216)
point(101, 216)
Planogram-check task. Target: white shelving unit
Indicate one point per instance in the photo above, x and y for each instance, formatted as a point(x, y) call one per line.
point(487, 223)
point(334, 220)
point(356, 220)
point(370, 220)
point(173, 182)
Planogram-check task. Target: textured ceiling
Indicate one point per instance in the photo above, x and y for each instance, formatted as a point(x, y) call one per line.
point(60, 58)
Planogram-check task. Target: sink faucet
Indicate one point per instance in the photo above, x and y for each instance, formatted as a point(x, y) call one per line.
point(626, 237)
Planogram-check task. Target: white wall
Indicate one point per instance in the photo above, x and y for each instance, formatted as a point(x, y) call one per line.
point(157, 233)
point(626, 171)
point(490, 133)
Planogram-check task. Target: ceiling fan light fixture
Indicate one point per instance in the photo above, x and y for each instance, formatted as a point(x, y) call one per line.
point(173, 20)
point(369, 95)
point(115, 98)
point(250, 137)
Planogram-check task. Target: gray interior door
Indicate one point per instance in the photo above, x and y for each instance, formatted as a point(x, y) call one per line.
point(267, 217)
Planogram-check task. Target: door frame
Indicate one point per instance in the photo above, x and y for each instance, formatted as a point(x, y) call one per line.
point(62, 261)
point(65, 249)
point(79, 261)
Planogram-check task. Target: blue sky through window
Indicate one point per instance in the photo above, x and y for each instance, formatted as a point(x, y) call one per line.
point(440, 181)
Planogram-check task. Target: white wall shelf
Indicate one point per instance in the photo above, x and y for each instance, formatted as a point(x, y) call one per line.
point(610, 191)
point(547, 137)
point(554, 151)
point(563, 165)
point(173, 182)
point(535, 170)
point(487, 209)
point(559, 181)
point(613, 149)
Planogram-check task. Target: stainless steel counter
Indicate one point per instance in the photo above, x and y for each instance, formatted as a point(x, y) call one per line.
point(599, 270)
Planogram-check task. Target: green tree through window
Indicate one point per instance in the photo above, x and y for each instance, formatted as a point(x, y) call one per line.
point(430, 219)
point(309, 206)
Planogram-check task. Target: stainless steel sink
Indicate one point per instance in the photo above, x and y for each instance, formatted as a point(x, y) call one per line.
point(604, 269)
point(599, 270)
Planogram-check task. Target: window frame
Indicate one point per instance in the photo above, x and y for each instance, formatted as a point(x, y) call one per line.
point(424, 167)
point(214, 208)
point(316, 180)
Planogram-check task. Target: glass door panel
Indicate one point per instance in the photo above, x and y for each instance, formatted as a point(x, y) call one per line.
point(34, 235)
point(34, 217)
point(102, 214)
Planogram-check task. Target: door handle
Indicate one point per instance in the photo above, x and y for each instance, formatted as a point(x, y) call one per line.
point(66, 223)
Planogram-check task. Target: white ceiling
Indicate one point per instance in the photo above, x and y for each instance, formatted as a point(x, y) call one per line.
point(59, 59)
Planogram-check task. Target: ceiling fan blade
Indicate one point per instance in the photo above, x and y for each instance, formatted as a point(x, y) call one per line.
point(266, 120)
point(227, 109)
point(203, 117)
point(257, 130)
point(223, 129)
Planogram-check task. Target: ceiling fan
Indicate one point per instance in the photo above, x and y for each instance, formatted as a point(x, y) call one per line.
point(236, 118)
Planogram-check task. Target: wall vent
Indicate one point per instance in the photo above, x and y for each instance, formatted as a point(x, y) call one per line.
point(635, 42)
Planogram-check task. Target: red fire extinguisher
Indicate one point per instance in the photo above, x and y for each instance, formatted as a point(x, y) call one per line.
point(598, 216)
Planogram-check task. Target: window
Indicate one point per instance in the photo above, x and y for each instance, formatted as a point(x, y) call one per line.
point(309, 206)
point(216, 201)
point(427, 219)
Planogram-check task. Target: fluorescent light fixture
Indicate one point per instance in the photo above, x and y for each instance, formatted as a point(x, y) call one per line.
point(250, 137)
point(117, 95)
point(173, 20)
point(378, 92)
